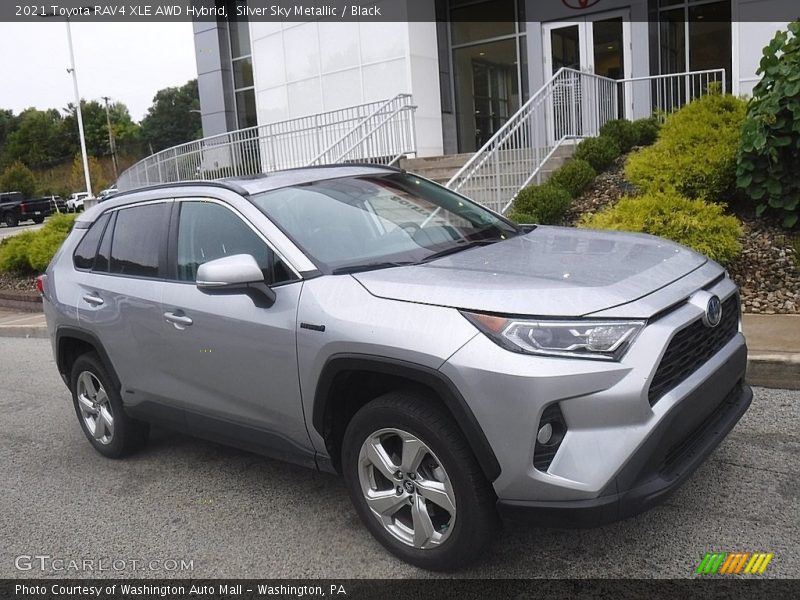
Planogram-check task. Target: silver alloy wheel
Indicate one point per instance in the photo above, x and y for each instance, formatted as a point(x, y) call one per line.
point(95, 407)
point(406, 488)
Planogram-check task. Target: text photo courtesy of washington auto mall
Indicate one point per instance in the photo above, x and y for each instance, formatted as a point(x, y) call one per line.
point(379, 298)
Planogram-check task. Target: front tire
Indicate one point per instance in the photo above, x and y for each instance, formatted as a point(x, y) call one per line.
point(416, 484)
point(11, 220)
point(38, 220)
point(99, 409)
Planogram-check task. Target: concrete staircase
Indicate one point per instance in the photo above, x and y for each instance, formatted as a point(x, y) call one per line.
point(438, 168)
point(442, 168)
point(516, 164)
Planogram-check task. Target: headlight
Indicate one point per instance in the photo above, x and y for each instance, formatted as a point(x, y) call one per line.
point(605, 340)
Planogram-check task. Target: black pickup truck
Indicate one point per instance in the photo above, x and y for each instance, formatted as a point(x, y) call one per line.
point(15, 208)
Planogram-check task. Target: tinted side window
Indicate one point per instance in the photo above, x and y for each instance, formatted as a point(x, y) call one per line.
point(84, 255)
point(138, 237)
point(103, 258)
point(207, 231)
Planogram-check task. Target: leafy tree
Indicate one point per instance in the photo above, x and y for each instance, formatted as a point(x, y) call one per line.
point(37, 139)
point(8, 123)
point(18, 178)
point(77, 180)
point(170, 120)
point(95, 126)
point(769, 154)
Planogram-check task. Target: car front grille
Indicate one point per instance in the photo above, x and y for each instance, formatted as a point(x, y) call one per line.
point(691, 348)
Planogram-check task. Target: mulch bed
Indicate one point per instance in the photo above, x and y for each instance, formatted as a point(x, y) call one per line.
point(766, 271)
point(17, 283)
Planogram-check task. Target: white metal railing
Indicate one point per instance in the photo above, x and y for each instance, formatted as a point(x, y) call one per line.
point(384, 136)
point(662, 94)
point(570, 106)
point(376, 132)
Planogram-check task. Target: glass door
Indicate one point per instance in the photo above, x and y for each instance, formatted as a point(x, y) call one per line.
point(597, 44)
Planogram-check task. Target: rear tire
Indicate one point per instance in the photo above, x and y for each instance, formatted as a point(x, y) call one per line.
point(99, 409)
point(429, 502)
point(38, 220)
point(11, 220)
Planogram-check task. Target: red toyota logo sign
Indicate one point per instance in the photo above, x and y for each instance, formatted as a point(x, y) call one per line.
point(579, 4)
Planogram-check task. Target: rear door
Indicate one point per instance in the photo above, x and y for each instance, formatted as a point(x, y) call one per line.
point(233, 360)
point(120, 300)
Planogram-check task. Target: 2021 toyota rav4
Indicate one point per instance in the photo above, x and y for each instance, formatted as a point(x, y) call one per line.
point(452, 366)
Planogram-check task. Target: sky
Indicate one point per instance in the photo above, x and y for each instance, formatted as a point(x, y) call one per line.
point(129, 62)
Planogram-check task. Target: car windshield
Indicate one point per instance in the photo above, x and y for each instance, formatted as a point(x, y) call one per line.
point(358, 223)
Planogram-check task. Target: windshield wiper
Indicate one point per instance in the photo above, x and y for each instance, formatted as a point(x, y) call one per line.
point(369, 267)
point(459, 248)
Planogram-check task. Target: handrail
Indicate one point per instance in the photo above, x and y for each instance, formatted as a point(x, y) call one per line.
point(571, 105)
point(365, 137)
point(318, 158)
point(281, 145)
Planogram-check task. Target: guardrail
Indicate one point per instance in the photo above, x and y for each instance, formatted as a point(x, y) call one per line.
point(379, 132)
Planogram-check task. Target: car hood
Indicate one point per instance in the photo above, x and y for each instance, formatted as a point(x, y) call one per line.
point(551, 271)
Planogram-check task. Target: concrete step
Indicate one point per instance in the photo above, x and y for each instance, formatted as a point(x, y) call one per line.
point(448, 161)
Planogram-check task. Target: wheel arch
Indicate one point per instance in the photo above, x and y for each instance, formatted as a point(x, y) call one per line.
point(332, 408)
point(71, 343)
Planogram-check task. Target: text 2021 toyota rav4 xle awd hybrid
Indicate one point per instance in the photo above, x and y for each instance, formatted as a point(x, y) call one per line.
point(362, 320)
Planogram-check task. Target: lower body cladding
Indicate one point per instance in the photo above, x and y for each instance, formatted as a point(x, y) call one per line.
point(604, 452)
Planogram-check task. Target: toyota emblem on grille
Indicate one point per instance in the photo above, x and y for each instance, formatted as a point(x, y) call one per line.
point(713, 314)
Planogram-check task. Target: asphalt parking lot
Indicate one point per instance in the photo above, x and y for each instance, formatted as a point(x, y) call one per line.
point(6, 231)
point(234, 514)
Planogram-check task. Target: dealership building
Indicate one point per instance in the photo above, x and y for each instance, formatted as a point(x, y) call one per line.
point(468, 64)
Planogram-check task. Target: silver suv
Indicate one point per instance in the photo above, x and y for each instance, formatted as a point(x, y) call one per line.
point(452, 366)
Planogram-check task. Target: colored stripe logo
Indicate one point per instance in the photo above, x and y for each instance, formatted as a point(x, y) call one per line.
point(734, 563)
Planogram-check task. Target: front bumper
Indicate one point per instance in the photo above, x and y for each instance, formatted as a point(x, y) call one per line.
point(680, 443)
point(614, 451)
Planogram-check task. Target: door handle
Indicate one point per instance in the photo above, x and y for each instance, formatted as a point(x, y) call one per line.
point(178, 319)
point(93, 299)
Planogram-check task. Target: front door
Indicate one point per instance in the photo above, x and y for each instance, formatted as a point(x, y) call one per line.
point(234, 360)
point(598, 44)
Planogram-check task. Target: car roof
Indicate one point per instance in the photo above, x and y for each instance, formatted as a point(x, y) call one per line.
point(245, 185)
point(263, 182)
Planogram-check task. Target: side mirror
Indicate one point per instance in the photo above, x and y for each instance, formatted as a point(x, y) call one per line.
point(238, 273)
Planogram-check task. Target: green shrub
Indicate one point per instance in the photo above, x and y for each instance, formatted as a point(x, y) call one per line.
point(32, 251)
point(701, 225)
point(646, 131)
point(14, 252)
point(769, 155)
point(621, 131)
point(575, 176)
point(599, 152)
point(543, 204)
point(695, 154)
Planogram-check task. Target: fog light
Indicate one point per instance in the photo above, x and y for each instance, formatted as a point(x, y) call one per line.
point(549, 435)
point(545, 433)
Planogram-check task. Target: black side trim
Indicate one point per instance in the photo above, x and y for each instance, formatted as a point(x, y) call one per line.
point(66, 331)
point(431, 378)
point(312, 327)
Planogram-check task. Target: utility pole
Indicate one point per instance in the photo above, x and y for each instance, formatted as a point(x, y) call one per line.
point(112, 144)
point(71, 70)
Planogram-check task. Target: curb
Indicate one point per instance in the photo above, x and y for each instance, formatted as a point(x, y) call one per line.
point(776, 370)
